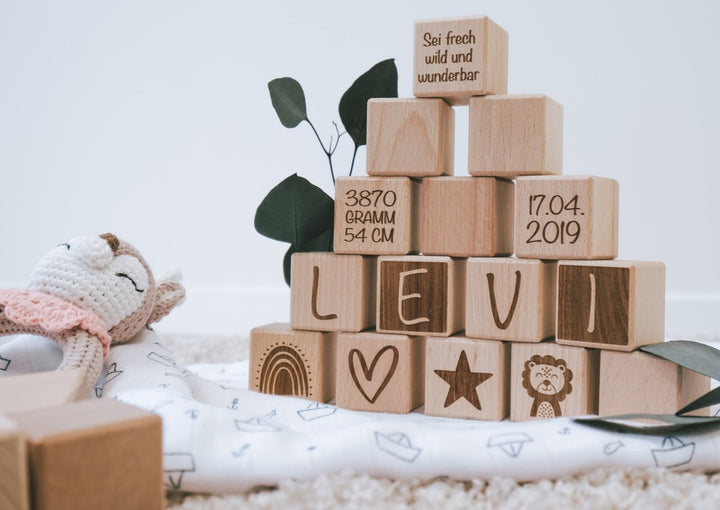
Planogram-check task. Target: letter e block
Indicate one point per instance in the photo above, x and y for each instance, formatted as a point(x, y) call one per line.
point(284, 361)
point(548, 380)
point(460, 57)
point(615, 304)
point(510, 299)
point(418, 294)
point(330, 292)
point(467, 378)
point(466, 216)
point(564, 217)
point(410, 137)
point(515, 135)
point(381, 373)
point(14, 488)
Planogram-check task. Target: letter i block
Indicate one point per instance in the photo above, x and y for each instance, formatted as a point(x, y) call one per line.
point(466, 216)
point(381, 373)
point(467, 378)
point(510, 299)
point(373, 215)
point(460, 57)
point(410, 137)
point(285, 361)
point(330, 292)
point(14, 488)
point(615, 304)
point(564, 217)
point(418, 294)
point(548, 380)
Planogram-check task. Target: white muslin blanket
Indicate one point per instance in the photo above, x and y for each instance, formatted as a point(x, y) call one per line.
point(220, 437)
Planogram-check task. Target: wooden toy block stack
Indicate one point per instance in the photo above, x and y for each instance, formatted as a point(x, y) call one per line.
point(422, 300)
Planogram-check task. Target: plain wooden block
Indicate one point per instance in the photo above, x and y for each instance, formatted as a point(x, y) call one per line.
point(548, 380)
point(19, 393)
point(515, 135)
point(381, 373)
point(457, 58)
point(14, 488)
point(467, 378)
point(374, 215)
point(566, 217)
point(658, 386)
point(284, 361)
point(466, 216)
point(410, 137)
point(613, 304)
point(510, 299)
point(332, 292)
point(94, 454)
point(419, 294)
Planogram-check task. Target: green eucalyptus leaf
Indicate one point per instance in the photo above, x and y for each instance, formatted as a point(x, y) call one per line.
point(698, 357)
point(672, 424)
point(286, 263)
point(288, 99)
point(379, 81)
point(709, 399)
point(323, 242)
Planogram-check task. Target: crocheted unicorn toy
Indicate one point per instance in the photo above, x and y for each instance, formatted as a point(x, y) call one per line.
point(87, 294)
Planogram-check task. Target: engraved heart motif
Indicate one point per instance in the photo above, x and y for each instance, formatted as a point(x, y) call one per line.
point(368, 372)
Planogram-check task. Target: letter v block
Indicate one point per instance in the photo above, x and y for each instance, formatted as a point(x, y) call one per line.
point(330, 292)
point(614, 304)
point(418, 294)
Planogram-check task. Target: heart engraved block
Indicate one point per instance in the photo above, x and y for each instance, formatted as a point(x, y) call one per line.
point(388, 366)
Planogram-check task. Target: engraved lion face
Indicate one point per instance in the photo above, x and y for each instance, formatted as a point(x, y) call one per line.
point(547, 379)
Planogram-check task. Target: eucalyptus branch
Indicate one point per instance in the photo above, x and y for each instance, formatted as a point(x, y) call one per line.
point(326, 151)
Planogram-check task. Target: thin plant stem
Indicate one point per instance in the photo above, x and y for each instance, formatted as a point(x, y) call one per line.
point(352, 163)
point(326, 151)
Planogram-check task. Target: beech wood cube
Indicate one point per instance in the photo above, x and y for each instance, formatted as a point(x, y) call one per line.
point(14, 487)
point(410, 137)
point(26, 392)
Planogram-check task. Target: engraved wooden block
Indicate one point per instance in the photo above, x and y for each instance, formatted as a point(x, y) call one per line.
point(382, 373)
point(14, 488)
point(515, 135)
point(284, 361)
point(331, 292)
point(410, 137)
point(460, 57)
point(549, 380)
point(419, 294)
point(466, 216)
point(94, 454)
point(566, 217)
point(374, 215)
point(467, 378)
point(19, 393)
point(510, 299)
point(662, 387)
point(613, 304)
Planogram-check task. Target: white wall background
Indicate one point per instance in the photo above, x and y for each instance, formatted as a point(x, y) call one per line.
point(152, 120)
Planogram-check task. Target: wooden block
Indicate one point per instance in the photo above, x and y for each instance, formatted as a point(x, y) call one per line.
point(566, 217)
point(94, 454)
point(410, 137)
point(374, 215)
point(460, 57)
point(549, 380)
point(636, 382)
point(515, 135)
point(19, 393)
point(14, 488)
point(614, 304)
point(467, 378)
point(418, 294)
point(510, 299)
point(466, 216)
point(331, 292)
point(284, 361)
point(382, 373)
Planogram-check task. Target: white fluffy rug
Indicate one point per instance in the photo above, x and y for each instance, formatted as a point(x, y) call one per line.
point(601, 489)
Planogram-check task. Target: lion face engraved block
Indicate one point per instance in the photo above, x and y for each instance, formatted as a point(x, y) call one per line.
point(547, 381)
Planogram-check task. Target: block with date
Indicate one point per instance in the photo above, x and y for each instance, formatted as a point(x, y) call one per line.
point(420, 294)
point(374, 215)
point(467, 378)
point(410, 137)
point(613, 304)
point(515, 135)
point(457, 58)
point(332, 292)
point(466, 216)
point(566, 217)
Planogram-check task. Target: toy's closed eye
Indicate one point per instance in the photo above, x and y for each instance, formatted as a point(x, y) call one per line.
point(65, 244)
point(123, 275)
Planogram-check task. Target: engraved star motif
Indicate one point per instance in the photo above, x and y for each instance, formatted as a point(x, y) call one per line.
point(463, 382)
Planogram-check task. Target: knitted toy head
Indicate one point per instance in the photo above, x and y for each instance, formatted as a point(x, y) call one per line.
point(86, 294)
